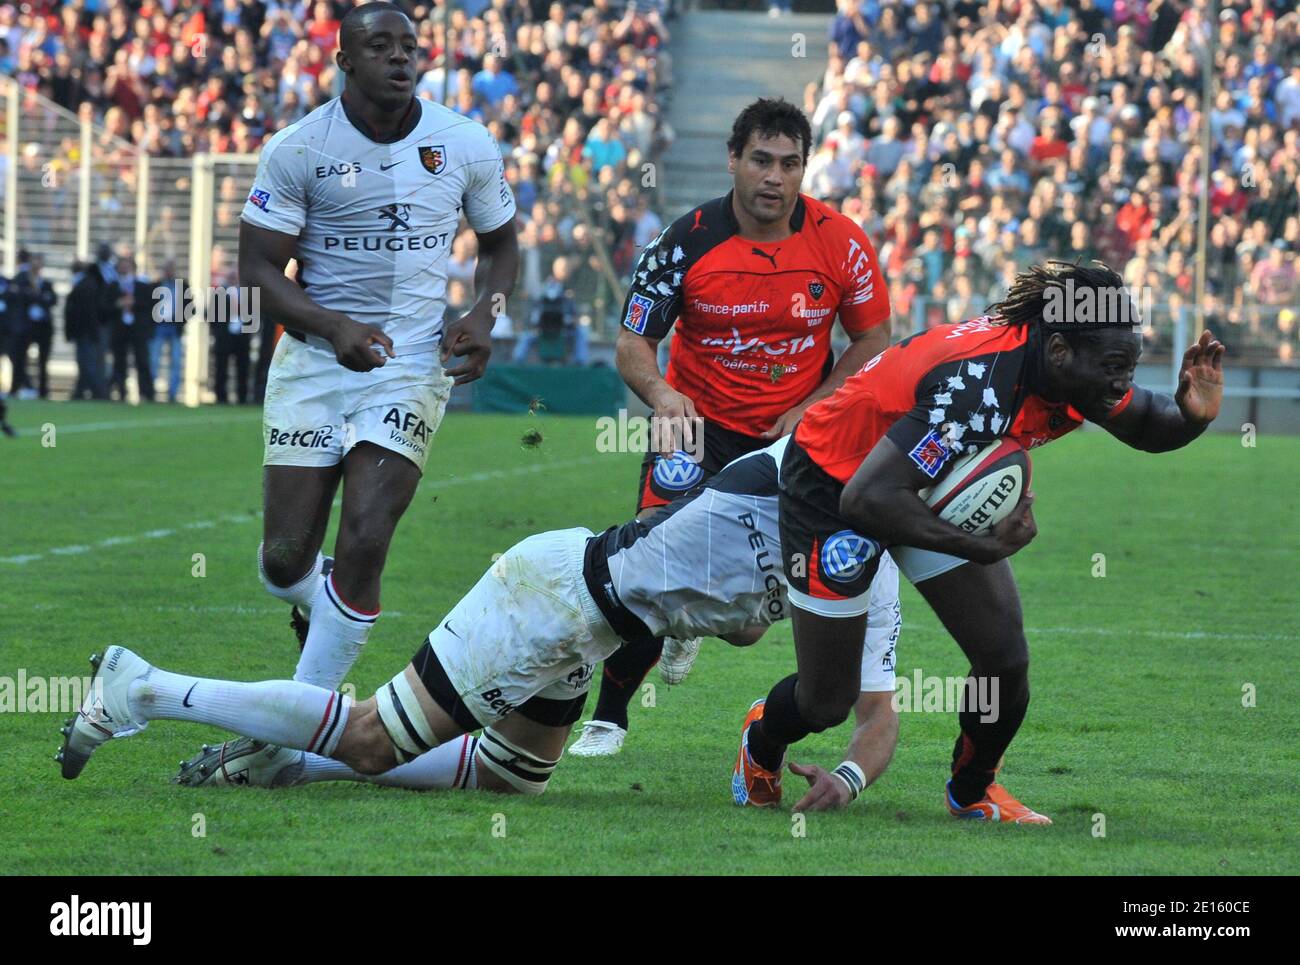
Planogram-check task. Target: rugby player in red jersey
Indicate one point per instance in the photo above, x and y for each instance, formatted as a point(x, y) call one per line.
point(752, 282)
point(850, 478)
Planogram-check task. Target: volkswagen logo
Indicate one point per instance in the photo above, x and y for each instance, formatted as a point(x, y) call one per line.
point(845, 554)
point(677, 473)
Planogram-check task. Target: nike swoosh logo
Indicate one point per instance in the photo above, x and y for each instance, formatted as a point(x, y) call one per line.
point(385, 167)
point(447, 627)
point(185, 702)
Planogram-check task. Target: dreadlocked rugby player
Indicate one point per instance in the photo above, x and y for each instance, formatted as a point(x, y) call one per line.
point(513, 659)
point(1031, 370)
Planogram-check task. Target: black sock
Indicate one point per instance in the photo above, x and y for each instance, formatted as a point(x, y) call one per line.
point(624, 670)
point(981, 744)
point(780, 726)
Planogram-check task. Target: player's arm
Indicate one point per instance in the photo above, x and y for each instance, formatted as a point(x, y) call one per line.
point(272, 220)
point(1154, 422)
point(637, 359)
point(882, 499)
point(862, 348)
point(863, 314)
point(489, 207)
point(470, 336)
point(650, 310)
point(263, 256)
point(875, 735)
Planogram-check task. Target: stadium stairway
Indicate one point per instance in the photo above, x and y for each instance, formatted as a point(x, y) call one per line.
point(722, 60)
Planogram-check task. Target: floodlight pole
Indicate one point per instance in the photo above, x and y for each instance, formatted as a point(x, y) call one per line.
point(83, 191)
point(11, 178)
point(1203, 206)
point(446, 53)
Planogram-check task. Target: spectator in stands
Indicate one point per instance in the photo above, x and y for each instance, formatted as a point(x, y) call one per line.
point(849, 27)
point(83, 326)
point(886, 151)
point(828, 176)
point(493, 83)
point(1099, 110)
point(168, 313)
point(131, 327)
point(31, 301)
point(554, 327)
point(647, 223)
point(604, 148)
point(231, 342)
point(1274, 277)
point(1008, 176)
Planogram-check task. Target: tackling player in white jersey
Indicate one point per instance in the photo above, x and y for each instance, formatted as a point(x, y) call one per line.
point(514, 658)
point(365, 194)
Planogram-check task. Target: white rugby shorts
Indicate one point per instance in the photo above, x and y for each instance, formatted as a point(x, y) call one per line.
point(316, 410)
point(528, 628)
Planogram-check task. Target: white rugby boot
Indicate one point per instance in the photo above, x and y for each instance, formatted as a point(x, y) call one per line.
point(105, 712)
point(242, 761)
point(599, 738)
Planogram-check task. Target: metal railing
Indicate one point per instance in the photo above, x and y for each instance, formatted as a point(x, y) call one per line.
point(72, 187)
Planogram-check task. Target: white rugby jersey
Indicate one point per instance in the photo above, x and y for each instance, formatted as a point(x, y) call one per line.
point(375, 221)
point(706, 565)
point(710, 564)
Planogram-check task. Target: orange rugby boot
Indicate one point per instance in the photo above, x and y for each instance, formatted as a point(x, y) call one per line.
point(997, 804)
point(750, 784)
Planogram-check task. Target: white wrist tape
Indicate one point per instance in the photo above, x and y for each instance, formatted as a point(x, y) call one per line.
point(853, 778)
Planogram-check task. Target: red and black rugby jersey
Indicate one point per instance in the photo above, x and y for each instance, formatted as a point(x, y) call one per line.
point(754, 318)
point(937, 395)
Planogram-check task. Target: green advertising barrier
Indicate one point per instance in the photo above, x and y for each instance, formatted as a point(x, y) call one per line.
point(563, 390)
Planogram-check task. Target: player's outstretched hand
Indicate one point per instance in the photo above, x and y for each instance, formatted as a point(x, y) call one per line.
point(786, 423)
point(826, 792)
point(1011, 535)
point(1200, 380)
point(468, 338)
point(674, 424)
point(361, 347)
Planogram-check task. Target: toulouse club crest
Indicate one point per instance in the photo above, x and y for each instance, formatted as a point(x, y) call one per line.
point(434, 158)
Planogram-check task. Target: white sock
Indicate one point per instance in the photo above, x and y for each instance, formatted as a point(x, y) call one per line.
point(316, 768)
point(281, 712)
point(449, 765)
point(301, 593)
point(334, 641)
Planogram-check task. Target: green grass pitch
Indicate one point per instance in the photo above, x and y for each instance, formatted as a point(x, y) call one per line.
point(1138, 677)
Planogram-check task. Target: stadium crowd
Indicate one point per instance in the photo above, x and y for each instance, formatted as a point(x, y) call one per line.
point(973, 137)
point(968, 137)
point(573, 92)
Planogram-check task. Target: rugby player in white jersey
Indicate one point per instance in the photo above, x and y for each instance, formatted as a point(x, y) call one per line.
point(366, 195)
point(514, 658)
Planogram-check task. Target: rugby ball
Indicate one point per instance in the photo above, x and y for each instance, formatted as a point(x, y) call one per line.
point(983, 488)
